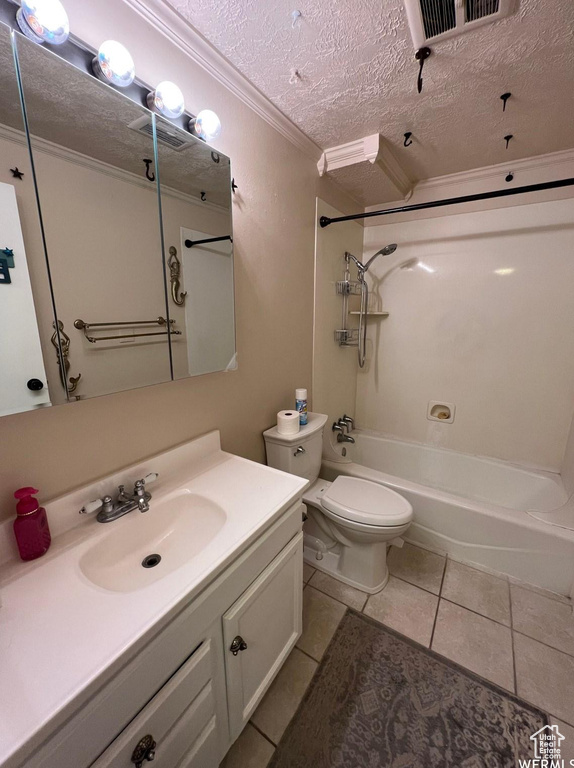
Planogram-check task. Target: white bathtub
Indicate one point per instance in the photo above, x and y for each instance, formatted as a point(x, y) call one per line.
point(472, 508)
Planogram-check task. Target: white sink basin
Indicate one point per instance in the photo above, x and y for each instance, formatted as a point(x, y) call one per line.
point(176, 529)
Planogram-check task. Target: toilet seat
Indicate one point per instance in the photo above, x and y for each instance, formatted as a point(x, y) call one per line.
point(362, 501)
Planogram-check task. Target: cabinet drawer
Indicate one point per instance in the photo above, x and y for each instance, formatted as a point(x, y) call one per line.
point(181, 718)
point(268, 618)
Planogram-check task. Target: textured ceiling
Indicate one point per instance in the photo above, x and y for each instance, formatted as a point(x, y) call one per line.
point(358, 76)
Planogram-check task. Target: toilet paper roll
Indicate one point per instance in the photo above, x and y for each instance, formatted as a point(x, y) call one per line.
point(288, 422)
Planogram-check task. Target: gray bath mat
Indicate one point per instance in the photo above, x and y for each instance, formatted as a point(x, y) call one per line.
point(379, 700)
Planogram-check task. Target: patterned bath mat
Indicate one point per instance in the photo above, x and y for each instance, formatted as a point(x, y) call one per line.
point(379, 700)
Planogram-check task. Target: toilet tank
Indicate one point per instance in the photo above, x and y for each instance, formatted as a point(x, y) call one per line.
point(282, 450)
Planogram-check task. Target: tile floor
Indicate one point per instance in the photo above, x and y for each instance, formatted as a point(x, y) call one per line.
point(519, 638)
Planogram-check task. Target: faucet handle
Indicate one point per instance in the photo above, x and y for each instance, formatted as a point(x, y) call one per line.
point(151, 477)
point(96, 505)
point(349, 421)
point(91, 506)
point(336, 427)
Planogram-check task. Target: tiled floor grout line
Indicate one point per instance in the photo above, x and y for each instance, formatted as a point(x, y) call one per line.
point(260, 732)
point(541, 642)
point(438, 601)
point(322, 591)
point(512, 639)
point(476, 613)
point(308, 655)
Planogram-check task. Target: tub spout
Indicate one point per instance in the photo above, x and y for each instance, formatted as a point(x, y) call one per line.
point(341, 438)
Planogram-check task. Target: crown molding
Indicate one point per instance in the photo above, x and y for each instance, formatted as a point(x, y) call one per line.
point(184, 36)
point(530, 170)
point(528, 164)
point(373, 149)
point(99, 166)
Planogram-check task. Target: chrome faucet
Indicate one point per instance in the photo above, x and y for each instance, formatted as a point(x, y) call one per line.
point(349, 421)
point(342, 438)
point(337, 427)
point(109, 510)
point(344, 425)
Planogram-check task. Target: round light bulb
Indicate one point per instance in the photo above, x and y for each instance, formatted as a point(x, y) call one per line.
point(167, 100)
point(114, 64)
point(44, 21)
point(206, 125)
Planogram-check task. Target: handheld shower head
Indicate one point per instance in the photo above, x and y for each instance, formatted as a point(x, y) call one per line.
point(386, 251)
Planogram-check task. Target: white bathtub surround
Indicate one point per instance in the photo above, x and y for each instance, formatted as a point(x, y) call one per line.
point(65, 635)
point(490, 330)
point(472, 508)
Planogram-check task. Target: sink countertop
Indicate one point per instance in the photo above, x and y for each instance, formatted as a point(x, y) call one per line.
point(59, 631)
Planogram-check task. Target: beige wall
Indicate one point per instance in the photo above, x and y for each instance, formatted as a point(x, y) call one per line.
point(63, 447)
point(334, 367)
point(498, 346)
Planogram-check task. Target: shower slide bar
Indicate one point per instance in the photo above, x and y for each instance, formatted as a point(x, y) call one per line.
point(324, 221)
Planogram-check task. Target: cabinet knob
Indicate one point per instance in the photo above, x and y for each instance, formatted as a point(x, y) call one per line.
point(237, 645)
point(35, 385)
point(145, 750)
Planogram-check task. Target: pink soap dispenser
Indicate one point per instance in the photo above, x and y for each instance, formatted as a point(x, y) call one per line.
point(31, 525)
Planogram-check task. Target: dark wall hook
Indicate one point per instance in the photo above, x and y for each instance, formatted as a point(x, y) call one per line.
point(233, 186)
point(509, 176)
point(505, 97)
point(17, 174)
point(203, 196)
point(507, 139)
point(149, 176)
point(421, 56)
point(408, 141)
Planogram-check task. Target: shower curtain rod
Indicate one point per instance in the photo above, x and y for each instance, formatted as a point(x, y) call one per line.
point(324, 221)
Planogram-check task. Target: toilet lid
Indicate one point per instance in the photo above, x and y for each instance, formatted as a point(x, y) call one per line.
point(365, 502)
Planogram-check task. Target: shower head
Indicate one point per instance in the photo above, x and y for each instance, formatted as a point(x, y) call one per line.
point(386, 251)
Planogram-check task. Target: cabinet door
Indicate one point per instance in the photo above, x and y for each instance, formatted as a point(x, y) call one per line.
point(268, 620)
point(182, 719)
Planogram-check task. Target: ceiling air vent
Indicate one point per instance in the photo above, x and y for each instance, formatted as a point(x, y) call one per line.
point(176, 139)
point(433, 20)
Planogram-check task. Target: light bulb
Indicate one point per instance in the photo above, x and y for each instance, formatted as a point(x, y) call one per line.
point(206, 125)
point(167, 100)
point(44, 21)
point(114, 64)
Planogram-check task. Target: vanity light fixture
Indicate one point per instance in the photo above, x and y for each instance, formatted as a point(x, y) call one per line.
point(114, 64)
point(206, 125)
point(44, 21)
point(166, 100)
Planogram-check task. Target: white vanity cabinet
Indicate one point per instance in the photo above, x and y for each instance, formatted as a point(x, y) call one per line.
point(260, 630)
point(185, 689)
point(184, 725)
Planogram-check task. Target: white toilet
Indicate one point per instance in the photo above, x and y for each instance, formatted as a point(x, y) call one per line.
point(351, 521)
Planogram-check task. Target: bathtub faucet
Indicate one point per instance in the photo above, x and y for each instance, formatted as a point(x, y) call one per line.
point(349, 421)
point(342, 438)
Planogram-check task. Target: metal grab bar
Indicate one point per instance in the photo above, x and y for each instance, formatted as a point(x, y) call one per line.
point(81, 325)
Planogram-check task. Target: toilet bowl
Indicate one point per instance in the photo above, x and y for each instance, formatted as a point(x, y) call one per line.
point(350, 521)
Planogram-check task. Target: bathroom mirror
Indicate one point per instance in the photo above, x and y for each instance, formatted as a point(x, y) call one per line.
point(130, 304)
point(197, 229)
point(101, 225)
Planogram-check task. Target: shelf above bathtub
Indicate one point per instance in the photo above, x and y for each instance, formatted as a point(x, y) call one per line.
point(371, 314)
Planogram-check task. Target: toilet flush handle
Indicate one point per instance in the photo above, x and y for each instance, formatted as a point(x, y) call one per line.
point(299, 451)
